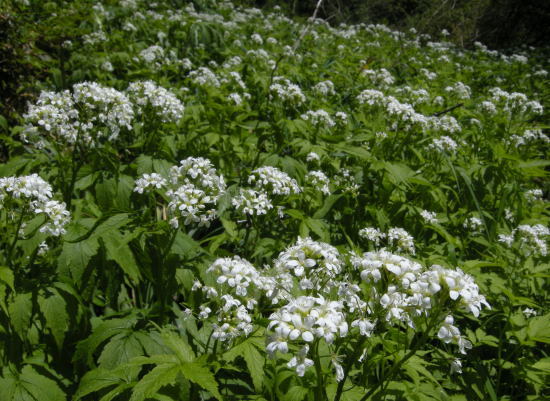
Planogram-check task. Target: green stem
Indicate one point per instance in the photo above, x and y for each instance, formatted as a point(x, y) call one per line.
point(319, 373)
point(351, 359)
point(395, 368)
point(15, 239)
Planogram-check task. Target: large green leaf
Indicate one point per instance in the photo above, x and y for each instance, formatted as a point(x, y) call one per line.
point(202, 376)
point(20, 310)
point(54, 309)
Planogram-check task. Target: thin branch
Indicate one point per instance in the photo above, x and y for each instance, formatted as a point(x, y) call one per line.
point(440, 113)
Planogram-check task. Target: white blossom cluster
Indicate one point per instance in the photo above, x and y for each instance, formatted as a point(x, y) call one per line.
point(193, 187)
point(405, 113)
point(287, 92)
point(459, 90)
point(429, 217)
point(533, 239)
point(473, 224)
point(273, 181)
point(311, 262)
point(306, 318)
point(444, 144)
point(203, 76)
point(381, 78)
point(396, 237)
point(534, 195)
point(32, 195)
point(529, 136)
point(319, 118)
point(147, 94)
point(251, 202)
point(515, 102)
point(324, 88)
point(319, 181)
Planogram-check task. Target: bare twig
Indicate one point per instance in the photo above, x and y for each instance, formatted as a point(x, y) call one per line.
point(440, 113)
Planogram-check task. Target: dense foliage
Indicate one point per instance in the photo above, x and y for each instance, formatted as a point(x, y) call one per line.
point(214, 202)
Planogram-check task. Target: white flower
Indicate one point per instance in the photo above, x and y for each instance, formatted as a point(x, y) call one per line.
point(147, 181)
point(252, 202)
point(372, 234)
point(429, 217)
point(403, 240)
point(319, 181)
point(273, 180)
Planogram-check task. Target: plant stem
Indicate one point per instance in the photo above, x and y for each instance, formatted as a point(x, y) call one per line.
point(319, 373)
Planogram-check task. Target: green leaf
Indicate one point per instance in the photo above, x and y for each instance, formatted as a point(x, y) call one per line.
point(96, 380)
point(537, 329)
point(75, 257)
point(101, 333)
point(255, 362)
point(7, 277)
point(119, 252)
point(20, 310)
point(202, 376)
point(120, 349)
point(296, 393)
point(178, 346)
point(54, 309)
point(160, 376)
point(29, 385)
point(327, 205)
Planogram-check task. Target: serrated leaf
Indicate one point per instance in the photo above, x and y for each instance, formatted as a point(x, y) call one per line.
point(160, 376)
point(96, 380)
point(255, 363)
point(119, 350)
point(119, 252)
point(202, 376)
point(296, 393)
point(30, 385)
point(54, 309)
point(75, 257)
point(104, 331)
point(7, 277)
point(20, 310)
point(178, 346)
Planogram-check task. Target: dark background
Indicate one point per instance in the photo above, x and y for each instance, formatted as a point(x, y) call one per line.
point(500, 24)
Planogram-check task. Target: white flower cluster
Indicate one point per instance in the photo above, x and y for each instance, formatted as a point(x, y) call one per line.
point(31, 194)
point(429, 217)
point(274, 181)
point(448, 333)
point(193, 187)
point(534, 195)
point(324, 88)
point(108, 106)
point(287, 91)
point(382, 77)
point(251, 202)
point(402, 239)
point(444, 144)
point(405, 290)
point(319, 118)
point(515, 102)
point(459, 90)
point(313, 263)
point(165, 104)
point(532, 239)
point(397, 237)
point(306, 318)
point(406, 114)
point(319, 181)
point(372, 234)
point(473, 224)
point(204, 76)
point(529, 136)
